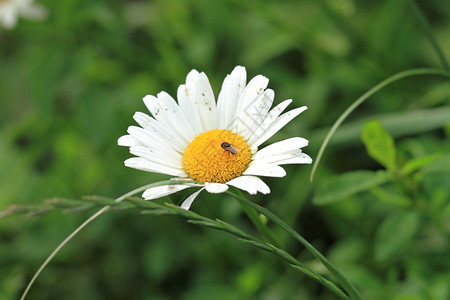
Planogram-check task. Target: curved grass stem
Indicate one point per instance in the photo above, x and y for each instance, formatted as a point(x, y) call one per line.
point(265, 231)
point(346, 285)
point(154, 208)
point(79, 228)
point(364, 97)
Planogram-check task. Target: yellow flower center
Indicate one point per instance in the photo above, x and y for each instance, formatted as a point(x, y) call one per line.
point(216, 156)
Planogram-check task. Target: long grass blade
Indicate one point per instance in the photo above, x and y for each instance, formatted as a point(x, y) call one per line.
point(79, 228)
point(347, 285)
point(430, 34)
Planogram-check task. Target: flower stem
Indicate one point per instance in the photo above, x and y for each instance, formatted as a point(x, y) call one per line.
point(154, 208)
point(266, 233)
point(79, 228)
point(347, 285)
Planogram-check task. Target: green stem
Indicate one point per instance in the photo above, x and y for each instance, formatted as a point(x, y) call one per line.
point(295, 264)
point(364, 97)
point(266, 233)
point(154, 208)
point(79, 228)
point(243, 237)
point(429, 34)
point(347, 285)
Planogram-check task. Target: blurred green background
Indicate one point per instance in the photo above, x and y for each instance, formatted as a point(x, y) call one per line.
point(70, 84)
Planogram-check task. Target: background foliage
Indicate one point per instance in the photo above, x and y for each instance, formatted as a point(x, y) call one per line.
point(378, 207)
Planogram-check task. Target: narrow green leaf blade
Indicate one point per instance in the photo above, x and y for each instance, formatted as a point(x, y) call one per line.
point(391, 197)
point(439, 165)
point(418, 163)
point(379, 144)
point(347, 285)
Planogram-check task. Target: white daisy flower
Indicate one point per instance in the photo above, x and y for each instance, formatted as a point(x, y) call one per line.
point(213, 146)
point(10, 10)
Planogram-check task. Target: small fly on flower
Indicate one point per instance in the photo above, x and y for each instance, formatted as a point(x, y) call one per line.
point(230, 148)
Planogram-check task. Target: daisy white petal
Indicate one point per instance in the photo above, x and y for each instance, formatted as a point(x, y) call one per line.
point(128, 140)
point(277, 125)
point(148, 166)
point(154, 149)
point(153, 140)
point(301, 158)
point(189, 200)
point(157, 157)
point(269, 119)
point(273, 159)
point(175, 116)
point(251, 184)
point(262, 169)
point(290, 157)
point(281, 147)
point(145, 121)
point(206, 103)
point(251, 117)
point(157, 128)
point(163, 190)
point(227, 102)
point(188, 103)
point(254, 88)
point(216, 188)
point(159, 113)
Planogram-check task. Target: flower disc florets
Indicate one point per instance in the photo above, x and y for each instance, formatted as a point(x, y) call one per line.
point(216, 156)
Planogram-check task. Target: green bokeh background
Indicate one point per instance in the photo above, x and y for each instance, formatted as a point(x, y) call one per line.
point(69, 86)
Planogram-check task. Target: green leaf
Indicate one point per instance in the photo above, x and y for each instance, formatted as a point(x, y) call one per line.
point(379, 144)
point(395, 233)
point(439, 165)
point(391, 197)
point(348, 184)
point(418, 163)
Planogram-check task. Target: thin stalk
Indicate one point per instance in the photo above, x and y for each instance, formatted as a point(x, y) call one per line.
point(194, 218)
point(346, 285)
point(364, 97)
point(79, 228)
point(429, 34)
point(295, 264)
point(266, 233)
point(154, 208)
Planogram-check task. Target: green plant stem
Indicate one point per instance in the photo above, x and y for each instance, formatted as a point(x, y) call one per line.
point(194, 218)
point(429, 34)
point(154, 208)
point(79, 228)
point(266, 233)
point(364, 97)
point(347, 285)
